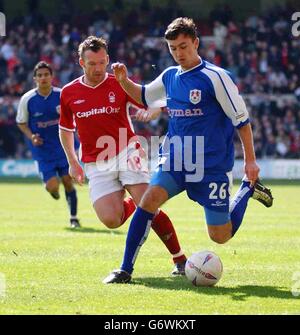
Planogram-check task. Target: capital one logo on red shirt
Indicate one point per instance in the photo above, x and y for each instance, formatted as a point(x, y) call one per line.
point(97, 111)
point(195, 96)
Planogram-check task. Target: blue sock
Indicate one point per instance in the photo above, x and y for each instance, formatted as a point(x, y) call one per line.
point(72, 202)
point(137, 234)
point(239, 204)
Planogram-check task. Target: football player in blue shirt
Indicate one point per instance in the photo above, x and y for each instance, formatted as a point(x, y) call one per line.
point(204, 108)
point(38, 118)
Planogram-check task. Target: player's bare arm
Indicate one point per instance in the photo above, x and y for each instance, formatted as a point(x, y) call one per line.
point(75, 169)
point(35, 139)
point(130, 87)
point(251, 167)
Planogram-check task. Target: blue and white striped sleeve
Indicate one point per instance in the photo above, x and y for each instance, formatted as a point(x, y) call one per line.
point(228, 96)
point(154, 93)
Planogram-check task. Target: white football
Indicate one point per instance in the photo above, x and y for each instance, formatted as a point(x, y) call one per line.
point(203, 268)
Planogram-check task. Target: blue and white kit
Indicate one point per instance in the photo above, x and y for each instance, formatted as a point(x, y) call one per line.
point(204, 103)
point(42, 116)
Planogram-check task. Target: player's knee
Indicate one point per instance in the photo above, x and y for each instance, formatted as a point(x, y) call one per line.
point(111, 222)
point(51, 188)
point(150, 201)
point(52, 185)
point(220, 237)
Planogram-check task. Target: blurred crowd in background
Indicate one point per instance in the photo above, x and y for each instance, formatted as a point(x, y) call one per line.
point(260, 52)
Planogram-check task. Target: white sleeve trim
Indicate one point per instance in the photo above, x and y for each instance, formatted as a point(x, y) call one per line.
point(22, 113)
point(128, 104)
point(67, 129)
point(154, 94)
point(227, 95)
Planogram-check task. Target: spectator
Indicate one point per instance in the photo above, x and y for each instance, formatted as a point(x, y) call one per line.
point(263, 59)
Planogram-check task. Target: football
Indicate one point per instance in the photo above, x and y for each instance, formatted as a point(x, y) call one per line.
point(203, 268)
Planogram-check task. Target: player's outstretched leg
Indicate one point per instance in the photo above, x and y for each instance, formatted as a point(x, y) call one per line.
point(137, 233)
point(136, 236)
point(239, 203)
point(262, 194)
point(161, 224)
point(164, 229)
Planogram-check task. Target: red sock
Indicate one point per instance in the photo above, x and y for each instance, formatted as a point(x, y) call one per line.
point(129, 208)
point(164, 228)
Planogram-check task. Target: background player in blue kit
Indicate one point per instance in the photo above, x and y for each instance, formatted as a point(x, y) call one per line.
point(203, 104)
point(38, 118)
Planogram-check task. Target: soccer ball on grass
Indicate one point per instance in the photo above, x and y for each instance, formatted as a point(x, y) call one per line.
point(203, 268)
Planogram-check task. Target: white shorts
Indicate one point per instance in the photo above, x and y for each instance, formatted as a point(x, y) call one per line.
point(128, 168)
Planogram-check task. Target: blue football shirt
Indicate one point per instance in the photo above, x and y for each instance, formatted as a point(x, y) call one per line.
point(201, 102)
point(42, 116)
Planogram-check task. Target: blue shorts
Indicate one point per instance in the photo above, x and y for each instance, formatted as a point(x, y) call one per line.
point(49, 169)
point(212, 192)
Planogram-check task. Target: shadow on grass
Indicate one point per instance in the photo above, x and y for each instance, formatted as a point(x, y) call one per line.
point(238, 293)
point(93, 230)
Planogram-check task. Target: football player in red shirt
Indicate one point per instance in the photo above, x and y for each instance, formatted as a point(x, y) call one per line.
point(114, 161)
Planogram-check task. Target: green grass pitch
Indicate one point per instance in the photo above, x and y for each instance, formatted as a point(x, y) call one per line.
point(46, 268)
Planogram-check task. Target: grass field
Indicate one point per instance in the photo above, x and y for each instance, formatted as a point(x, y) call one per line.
point(50, 269)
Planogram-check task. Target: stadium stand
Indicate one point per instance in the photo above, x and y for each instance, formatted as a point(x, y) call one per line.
point(260, 53)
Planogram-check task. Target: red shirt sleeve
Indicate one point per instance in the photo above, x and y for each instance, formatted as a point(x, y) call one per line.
point(66, 120)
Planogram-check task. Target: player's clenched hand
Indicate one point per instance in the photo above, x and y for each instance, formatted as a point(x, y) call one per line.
point(36, 140)
point(252, 171)
point(76, 172)
point(142, 115)
point(120, 71)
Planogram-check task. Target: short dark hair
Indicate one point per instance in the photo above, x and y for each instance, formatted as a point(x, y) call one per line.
point(42, 65)
point(92, 43)
point(181, 25)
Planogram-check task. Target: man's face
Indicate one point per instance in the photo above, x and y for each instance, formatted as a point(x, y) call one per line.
point(43, 78)
point(94, 65)
point(184, 51)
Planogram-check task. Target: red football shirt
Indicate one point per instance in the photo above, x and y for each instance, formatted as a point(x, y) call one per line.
point(96, 111)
